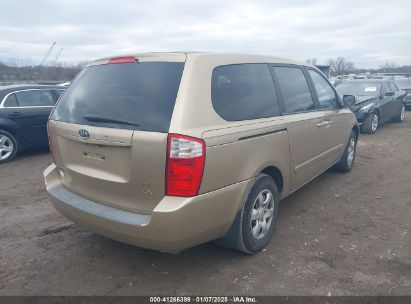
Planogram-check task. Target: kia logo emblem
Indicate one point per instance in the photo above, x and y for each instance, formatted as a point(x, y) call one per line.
point(84, 134)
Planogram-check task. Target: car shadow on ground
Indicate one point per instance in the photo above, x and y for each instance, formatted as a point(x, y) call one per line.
point(289, 207)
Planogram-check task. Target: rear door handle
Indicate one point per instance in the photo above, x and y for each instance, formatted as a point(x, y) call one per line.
point(14, 114)
point(324, 124)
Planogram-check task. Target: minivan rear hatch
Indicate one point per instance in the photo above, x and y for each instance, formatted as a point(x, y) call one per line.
point(108, 131)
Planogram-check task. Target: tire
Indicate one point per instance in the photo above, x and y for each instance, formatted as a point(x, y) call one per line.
point(401, 115)
point(241, 235)
point(8, 146)
point(346, 163)
point(368, 127)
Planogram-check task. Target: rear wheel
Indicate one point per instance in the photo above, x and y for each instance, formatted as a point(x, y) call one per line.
point(401, 115)
point(255, 225)
point(370, 124)
point(8, 146)
point(347, 160)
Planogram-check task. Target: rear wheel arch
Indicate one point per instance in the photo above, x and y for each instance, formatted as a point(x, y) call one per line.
point(238, 235)
point(276, 175)
point(400, 116)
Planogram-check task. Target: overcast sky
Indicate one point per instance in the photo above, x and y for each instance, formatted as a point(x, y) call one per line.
point(368, 32)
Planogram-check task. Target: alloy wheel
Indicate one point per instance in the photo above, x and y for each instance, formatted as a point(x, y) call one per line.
point(374, 122)
point(262, 214)
point(6, 147)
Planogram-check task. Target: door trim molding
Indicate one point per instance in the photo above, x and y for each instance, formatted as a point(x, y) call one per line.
point(305, 165)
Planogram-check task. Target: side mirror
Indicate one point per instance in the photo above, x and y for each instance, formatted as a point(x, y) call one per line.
point(349, 100)
point(389, 93)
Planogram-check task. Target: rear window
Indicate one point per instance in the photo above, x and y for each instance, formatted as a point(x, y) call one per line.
point(11, 101)
point(141, 94)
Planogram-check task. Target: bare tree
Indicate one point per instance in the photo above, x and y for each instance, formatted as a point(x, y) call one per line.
point(389, 67)
point(19, 69)
point(341, 66)
point(312, 61)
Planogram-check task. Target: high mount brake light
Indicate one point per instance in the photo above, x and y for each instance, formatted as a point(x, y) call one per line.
point(128, 59)
point(185, 165)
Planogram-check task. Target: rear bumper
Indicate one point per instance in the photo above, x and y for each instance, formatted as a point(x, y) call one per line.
point(175, 224)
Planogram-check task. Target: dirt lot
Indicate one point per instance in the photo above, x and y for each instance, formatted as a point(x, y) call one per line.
point(344, 234)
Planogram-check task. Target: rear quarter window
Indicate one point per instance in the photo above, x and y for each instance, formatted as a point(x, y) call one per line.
point(244, 92)
point(11, 101)
point(142, 93)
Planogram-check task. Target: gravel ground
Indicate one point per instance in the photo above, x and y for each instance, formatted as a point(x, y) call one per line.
point(342, 234)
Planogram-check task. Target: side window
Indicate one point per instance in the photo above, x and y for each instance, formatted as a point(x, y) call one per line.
point(33, 98)
point(385, 88)
point(326, 95)
point(244, 91)
point(11, 101)
point(393, 87)
point(58, 93)
point(294, 89)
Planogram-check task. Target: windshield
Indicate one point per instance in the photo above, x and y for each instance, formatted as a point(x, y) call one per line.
point(137, 96)
point(359, 88)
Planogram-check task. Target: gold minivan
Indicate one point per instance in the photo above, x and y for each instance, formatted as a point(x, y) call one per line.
point(170, 150)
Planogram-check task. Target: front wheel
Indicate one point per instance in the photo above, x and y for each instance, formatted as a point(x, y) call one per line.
point(370, 124)
point(8, 146)
point(346, 162)
point(255, 224)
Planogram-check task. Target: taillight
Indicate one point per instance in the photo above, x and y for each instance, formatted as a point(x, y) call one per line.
point(185, 165)
point(127, 59)
point(49, 137)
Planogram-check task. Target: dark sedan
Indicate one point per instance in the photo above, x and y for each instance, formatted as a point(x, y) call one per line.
point(374, 102)
point(24, 111)
point(405, 85)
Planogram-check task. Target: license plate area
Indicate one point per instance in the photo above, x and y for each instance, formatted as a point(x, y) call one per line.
point(94, 151)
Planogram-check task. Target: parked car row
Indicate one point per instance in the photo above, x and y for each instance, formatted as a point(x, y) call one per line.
point(405, 85)
point(374, 102)
point(24, 111)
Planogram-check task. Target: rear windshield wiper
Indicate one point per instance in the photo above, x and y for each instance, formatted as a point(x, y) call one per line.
point(98, 118)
